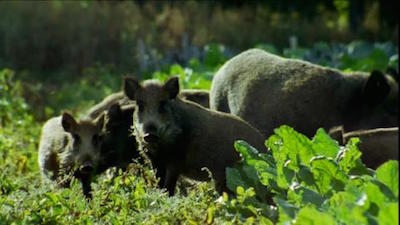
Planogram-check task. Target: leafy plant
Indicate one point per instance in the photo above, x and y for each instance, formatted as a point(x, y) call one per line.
point(315, 181)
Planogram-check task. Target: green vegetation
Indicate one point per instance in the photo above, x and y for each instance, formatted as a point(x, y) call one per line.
point(301, 181)
point(314, 181)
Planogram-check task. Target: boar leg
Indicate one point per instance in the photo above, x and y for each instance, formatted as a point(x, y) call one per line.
point(85, 181)
point(160, 171)
point(171, 178)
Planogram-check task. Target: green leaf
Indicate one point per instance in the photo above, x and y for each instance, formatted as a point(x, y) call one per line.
point(327, 174)
point(311, 216)
point(246, 151)
point(303, 196)
point(297, 147)
point(350, 206)
point(389, 214)
point(235, 178)
point(287, 211)
point(349, 159)
point(323, 144)
point(388, 173)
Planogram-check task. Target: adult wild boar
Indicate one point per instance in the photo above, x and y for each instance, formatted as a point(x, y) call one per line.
point(181, 137)
point(199, 96)
point(70, 147)
point(267, 91)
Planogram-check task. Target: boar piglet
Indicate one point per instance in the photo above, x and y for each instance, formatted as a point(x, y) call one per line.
point(70, 147)
point(181, 137)
point(119, 146)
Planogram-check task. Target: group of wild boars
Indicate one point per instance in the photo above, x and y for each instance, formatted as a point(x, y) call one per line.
point(70, 147)
point(267, 91)
point(181, 137)
point(377, 145)
point(65, 144)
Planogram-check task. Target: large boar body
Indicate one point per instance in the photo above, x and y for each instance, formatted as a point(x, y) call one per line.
point(267, 91)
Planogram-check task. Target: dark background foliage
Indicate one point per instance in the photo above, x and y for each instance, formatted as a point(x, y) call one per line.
point(142, 36)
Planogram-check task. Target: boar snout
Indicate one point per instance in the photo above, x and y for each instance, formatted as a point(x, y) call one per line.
point(86, 168)
point(150, 138)
point(150, 133)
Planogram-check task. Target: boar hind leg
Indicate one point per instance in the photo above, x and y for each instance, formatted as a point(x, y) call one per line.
point(171, 177)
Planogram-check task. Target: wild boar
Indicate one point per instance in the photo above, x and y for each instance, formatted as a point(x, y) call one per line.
point(267, 91)
point(181, 137)
point(376, 145)
point(70, 147)
point(119, 146)
point(199, 96)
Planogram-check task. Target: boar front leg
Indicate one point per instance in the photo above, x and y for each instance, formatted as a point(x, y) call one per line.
point(171, 177)
point(85, 181)
point(160, 170)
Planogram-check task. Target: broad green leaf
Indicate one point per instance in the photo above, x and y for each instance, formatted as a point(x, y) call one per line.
point(296, 146)
point(350, 206)
point(306, 178)
point(389, 214)
point(265, 172)
point(388, 173)
point(376, 195)
point(246, 151)
point(349, 159)
point(323, 144)
point(311, 216)
point(303, 196)
point(327, 174)
point(287, 211)
point(234, 179)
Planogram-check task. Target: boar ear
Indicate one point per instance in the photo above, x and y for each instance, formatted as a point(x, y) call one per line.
point(99, 121)
point(171, 86)
point(376, 88)
point(114, 111)
point(68, 122)
point(131, 86)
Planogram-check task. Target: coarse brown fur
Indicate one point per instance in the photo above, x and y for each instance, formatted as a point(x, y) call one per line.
point(267, 91)
point(181, 137)
point(70, 147)
point(201, 97)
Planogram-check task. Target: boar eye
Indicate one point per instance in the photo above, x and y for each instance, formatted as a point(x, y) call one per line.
point(163, 107)
point(76, 137)
point(140, 105)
